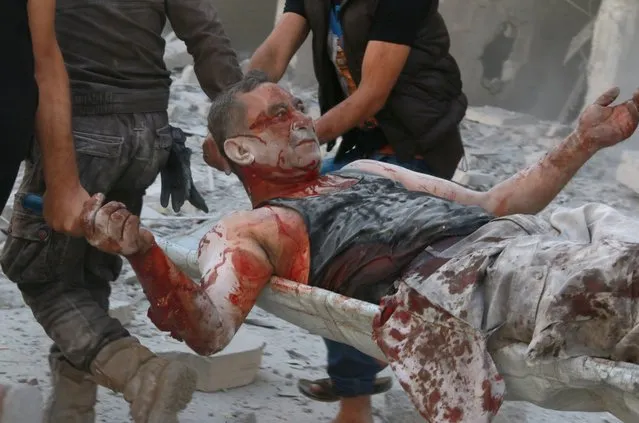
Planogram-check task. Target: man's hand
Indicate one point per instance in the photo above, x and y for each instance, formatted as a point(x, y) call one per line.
point(63, 209)
point(113, 229)
point(213, 157)
point(602, 125)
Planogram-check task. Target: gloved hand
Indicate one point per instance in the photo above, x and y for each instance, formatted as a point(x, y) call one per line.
point(177, 181)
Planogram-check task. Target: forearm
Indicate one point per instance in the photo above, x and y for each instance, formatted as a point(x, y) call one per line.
point(364, 103)
point(265, 59)
point(179, 305)
point(53, 123)
point(532, 189)
point(275, 53)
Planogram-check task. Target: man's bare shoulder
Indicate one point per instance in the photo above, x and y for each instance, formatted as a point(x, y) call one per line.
point(267, 225)
point(277, 231)
point(258, 220)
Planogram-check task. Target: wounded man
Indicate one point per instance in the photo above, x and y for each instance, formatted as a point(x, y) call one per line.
point(456, 271)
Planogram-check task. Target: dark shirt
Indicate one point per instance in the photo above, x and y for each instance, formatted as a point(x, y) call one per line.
point(363, 237)
point(396, 21)
point(114, 50)
point(18, 89)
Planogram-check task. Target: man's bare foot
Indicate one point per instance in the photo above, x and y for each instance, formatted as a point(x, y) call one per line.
point(355, 410)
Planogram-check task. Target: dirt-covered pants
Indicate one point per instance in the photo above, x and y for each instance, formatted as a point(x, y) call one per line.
point(64, 280)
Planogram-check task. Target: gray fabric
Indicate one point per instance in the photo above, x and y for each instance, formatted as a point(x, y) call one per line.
point(64, 280)
point(566, 287)
point(427, 103)
point(114, 51)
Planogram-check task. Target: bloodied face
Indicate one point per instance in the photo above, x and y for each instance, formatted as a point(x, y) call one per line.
point(278, 140)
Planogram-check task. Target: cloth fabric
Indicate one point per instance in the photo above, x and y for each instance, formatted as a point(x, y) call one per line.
point(363, 236)
point(565, 286)
point(338, 57)
point(352, 372)
point(426, 104)
point(19, 93)
point(64, 280)
point(120, 69)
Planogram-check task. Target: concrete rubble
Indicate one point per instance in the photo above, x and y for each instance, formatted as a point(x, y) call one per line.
point(628, 170)
point(254, 379)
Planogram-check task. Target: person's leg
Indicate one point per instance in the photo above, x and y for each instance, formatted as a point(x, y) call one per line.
point(68, 293)
point(352, 374)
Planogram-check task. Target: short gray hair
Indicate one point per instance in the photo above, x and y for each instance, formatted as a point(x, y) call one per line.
point(227, 114)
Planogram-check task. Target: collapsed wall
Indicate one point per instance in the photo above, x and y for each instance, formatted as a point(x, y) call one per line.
point(520, 54)
point(543, 57)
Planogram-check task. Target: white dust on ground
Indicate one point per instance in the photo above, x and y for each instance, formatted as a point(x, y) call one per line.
point(290, 352)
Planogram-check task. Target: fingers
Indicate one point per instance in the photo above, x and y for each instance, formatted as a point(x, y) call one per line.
point(214, 157)
point(116, 223)
point(89, 211)
point(635, 98)
point(608, 97)
point(131, 232)
point(633, 107)
point(103, 237)
point(147, 239)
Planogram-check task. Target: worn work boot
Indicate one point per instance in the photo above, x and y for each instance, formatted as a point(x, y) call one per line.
point(156, 388)
point(20, 404)
point(73, 394)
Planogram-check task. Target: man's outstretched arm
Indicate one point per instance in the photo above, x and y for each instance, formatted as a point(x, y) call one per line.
point(206, 315)
point(65, 195)
point(532, 189)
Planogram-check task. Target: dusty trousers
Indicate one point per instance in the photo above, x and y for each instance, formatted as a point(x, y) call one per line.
point(64, 280)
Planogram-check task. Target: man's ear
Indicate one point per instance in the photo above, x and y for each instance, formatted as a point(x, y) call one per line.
point(237, 151)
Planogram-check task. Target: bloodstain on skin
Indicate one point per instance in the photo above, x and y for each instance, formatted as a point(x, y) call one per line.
point(178, 305)
point(251, 272)
point(263, 121)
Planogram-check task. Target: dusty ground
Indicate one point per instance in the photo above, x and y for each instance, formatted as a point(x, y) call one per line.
point(495, 151)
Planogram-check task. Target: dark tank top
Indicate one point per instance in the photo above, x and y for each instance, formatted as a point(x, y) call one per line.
point(362, 237)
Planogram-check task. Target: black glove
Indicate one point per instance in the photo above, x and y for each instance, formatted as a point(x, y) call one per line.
point(177, 181)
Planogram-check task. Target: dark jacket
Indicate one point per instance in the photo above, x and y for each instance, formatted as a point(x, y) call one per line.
point(427, 103)
point(18, 89)
point(114, 51)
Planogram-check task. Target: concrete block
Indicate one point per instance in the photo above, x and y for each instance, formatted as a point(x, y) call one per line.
point(236, 365)
point(399, 408)
point(123, 311)
point(474, 179)
point(628, 170)
point(21, 404)
point(175, 53)
point(10, 297)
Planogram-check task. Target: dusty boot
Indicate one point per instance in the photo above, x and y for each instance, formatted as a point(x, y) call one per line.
point(156, 388)
point(20, 404)
point(73, 394)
